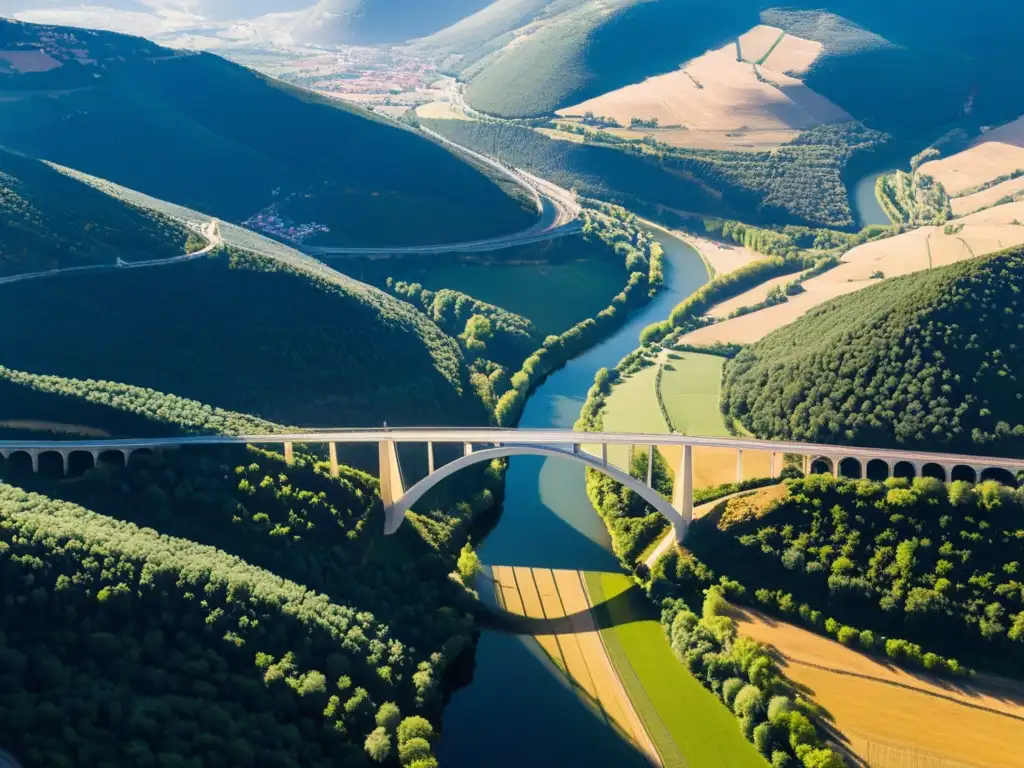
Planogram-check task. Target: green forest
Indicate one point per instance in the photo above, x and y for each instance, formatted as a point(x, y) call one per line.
point(799, 183)
point(928, 361)
point(50, 221)
point(288, 347)
point(929, 564)
point(220, 605)
point(199, 131)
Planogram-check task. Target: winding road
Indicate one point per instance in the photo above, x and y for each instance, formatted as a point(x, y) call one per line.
point(559, 215)
point(211, 232)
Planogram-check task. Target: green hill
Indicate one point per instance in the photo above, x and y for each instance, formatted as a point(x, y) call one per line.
point(929, 361)
point(199, 131)
point(49, 220)
point(877, 53)
point(244, 333)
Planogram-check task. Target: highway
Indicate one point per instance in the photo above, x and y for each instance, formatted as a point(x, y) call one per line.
point(211, 232)
point(525, 437)
point(557, 207)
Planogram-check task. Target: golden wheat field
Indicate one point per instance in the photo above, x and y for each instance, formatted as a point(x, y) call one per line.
point(998, 152)
point(895, 719)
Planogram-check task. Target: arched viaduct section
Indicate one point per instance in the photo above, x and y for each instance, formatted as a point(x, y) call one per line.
point(484, 444)
point(395, 512)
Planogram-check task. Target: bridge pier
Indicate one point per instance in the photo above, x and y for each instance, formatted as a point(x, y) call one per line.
point(289, 453)
point(739, 467)
point(682, 493)
point(467, 449)
point(430, 458)
point(604, 454)
point(392, 487)
point(332, 452)
point(650, 466)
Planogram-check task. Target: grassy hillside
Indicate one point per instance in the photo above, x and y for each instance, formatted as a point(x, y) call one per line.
point(50, 221)
point(246, 334)
point(199, 131)
point(927, 361)
point(887, 63)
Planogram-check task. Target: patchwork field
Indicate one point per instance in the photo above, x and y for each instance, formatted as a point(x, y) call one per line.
point(755, 295)
point(567, 632)
point(894, 719)
point(998, 152)
point(691, 385)
point(984, 232)
point(717, 101)
point(723, 257)
point(793, 55)
point(970, 203)
point(690, 725)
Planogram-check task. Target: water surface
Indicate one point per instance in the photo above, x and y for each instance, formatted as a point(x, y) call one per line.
point(519, 711)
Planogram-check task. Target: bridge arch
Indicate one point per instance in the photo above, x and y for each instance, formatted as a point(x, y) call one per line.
point(395, 514)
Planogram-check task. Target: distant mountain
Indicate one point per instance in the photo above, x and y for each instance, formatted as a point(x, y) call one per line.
point(335, 22)
point(197, 130)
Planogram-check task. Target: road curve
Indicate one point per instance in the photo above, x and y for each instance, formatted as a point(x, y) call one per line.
point(211, 232)
point(554, 203)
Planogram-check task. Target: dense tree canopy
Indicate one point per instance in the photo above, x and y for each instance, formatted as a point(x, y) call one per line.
point(937, 564)
point(929, 361)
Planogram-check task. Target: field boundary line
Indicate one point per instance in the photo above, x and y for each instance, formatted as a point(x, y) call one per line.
point(905, 686)
point(627, 678)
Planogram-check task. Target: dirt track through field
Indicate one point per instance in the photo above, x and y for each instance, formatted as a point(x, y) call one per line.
point(892, 717)
point(573, 644)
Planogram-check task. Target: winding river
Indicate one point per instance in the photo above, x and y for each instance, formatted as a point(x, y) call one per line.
point(518, 710)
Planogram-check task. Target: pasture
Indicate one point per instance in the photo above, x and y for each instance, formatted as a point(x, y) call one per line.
point(896, 719)
point(688, 724)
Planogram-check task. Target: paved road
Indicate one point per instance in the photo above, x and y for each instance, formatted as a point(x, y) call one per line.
point(489, 435)
point(557, 207)
point(669, 540)
point(211, 232)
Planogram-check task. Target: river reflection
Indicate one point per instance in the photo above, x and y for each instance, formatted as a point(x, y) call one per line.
point(519, 709)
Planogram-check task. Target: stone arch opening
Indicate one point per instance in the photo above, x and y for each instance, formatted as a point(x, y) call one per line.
point(140, 453)
point(963, 472)
point(51, 464)
point(1000, 475)
point(821, 466)
point(931, 469)
point(79, 463)
point(877, 470)
point(395, 514)
point(850, 468)
point(113, 458)
point(904, 469)
point(19, 463)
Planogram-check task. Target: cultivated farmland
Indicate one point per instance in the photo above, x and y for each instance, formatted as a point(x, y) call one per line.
point(895, 719)
point(998, 152)
point(717, 101)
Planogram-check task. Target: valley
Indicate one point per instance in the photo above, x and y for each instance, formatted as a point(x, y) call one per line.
point(723, 220)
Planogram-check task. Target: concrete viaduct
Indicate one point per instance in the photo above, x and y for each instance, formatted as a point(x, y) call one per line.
point(589, 449)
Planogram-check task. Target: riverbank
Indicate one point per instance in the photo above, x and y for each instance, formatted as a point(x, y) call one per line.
point(548, 522)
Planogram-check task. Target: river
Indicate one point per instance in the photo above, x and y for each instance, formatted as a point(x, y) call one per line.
point(518, 710)
point(866, 208)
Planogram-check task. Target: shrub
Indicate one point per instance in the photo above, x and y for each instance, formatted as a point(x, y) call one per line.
point(388, 716)
point(730, 688)
point(749, 702)
point(781, 759)
point(801, 730)
point(778, 708)
point(847, 635)
point(763, 739)
point(415, 727)
point(378, 745)
point(414, 749)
